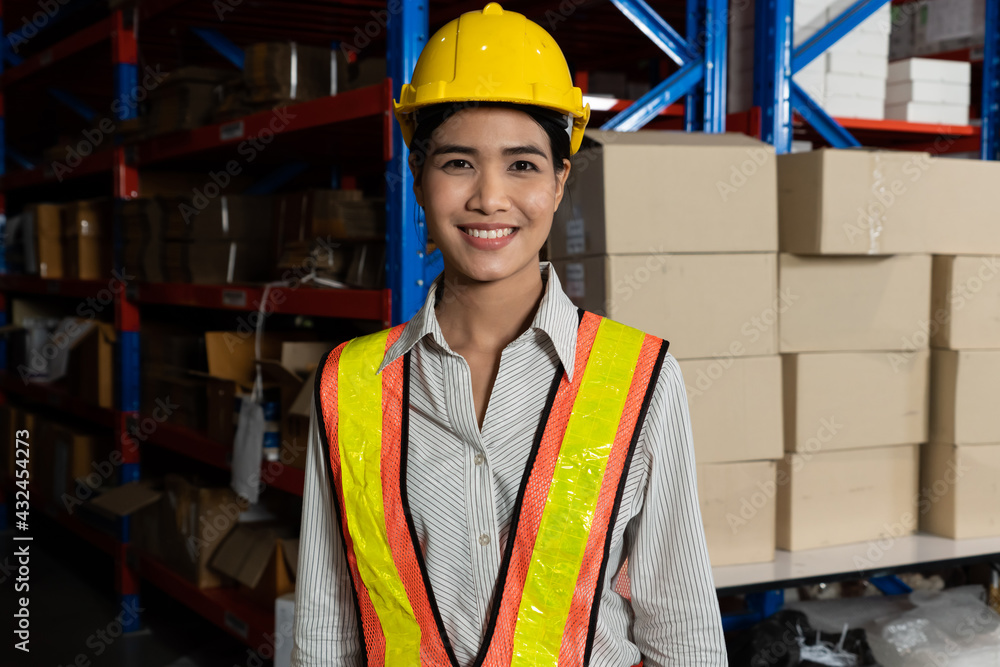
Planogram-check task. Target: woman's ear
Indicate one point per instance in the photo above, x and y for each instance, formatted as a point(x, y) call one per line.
point(561, 183)
point(418, 190)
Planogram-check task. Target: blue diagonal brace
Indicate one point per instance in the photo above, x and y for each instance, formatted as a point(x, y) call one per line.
point(658, 30)
point(850, 19)
point(663, 95)
point(222, 44)
point(74, 103)
point(991, 83)
point(18, 158)
point(8, 54)
point(820, 120)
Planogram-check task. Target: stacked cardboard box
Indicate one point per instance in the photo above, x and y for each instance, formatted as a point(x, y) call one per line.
point(924, 90)
point(185, 100)
point(846, 80)
point(87, 239)
point(694, 263)
point(854, 362)
point(294, 72)
point(217, 241)
point(960, 497)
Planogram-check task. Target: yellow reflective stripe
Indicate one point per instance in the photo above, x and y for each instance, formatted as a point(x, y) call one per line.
point(576, 485)
point(359, 406)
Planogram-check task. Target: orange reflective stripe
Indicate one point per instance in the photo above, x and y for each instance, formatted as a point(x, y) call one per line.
point(590, 579)
point(372, 635)
point(535, 493)
point(432, 650)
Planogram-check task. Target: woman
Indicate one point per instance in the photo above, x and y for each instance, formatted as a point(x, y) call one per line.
point(504, 479)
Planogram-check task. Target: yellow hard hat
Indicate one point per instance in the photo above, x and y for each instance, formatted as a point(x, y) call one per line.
point(492, 56)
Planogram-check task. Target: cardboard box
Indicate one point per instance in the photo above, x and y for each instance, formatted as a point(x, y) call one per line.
point(186, 526)
point(288, 71)
point(737, 502)
point(961, 201)
point(77, 457)
point(705, 305)
point(854, 303)
point(849, 400)
point(960, 497)
point(721, 197)
point(934, 92)
point(215, 262)
point(262, 558)
point(927, 112)
point(965, 387)
point(831, 498)
point(46, 221)
point(91, 366)
point(223, 218)
point(857, 202)
point(735, 408)
point(930, 69)
point(964, 298)
point(87, 237)
point(184, 101)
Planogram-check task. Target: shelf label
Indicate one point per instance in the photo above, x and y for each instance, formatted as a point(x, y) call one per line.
point(234, 298)
point(230, 131)
point(236, 624)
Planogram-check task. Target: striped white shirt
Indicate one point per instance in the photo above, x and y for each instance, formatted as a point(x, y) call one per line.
point(463, 484)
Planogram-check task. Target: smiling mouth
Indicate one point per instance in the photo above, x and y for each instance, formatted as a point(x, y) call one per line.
point(489, 234)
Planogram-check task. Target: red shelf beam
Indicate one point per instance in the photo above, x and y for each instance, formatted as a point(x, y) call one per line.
point(346, 303)
point(57, 398)
point(56, 287)
point(350, 105)
point(221, 606)
point(92, 164)
point(73, 44)
point(197, 446)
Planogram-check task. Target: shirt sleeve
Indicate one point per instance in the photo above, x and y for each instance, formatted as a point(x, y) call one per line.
point(326, 628)
point(677, 620)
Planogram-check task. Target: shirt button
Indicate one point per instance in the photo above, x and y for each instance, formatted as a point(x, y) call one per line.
point(479, 459)
point(484, 539)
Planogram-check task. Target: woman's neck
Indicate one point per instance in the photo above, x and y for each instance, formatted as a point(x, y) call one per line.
point(488, 315)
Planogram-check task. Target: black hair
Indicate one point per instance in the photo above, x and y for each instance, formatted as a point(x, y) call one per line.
point(430, 118)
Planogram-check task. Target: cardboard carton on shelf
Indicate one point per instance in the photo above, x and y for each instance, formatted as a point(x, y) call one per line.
point(721, 196)
point(91, 366)
point(47, 258)
point(216, 262)
point(964, 295)
point(854, 303)
point(827, 498)
point(185, 525)
point(850, 400)
point(222, 218)
point(959, 494)
point(87, 237)
point(298, 72)
point(184, 101)
point(737, 502)
point(262, 558)
point(965, 385)
point(711, 305)
point(735, 408)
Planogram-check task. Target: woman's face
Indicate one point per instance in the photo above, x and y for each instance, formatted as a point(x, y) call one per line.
point(489, 174)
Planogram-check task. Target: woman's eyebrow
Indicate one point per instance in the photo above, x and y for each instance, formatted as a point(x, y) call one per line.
point(454, 148)
point(521, 150)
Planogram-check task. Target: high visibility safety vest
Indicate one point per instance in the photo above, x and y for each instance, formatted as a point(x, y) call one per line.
point(554, 565)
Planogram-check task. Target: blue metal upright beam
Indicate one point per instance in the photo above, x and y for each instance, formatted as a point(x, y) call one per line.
point(772, 73)
point(405, 248)
point(991, 83)
point(716, 31)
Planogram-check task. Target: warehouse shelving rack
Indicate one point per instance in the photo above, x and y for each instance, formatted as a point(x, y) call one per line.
point(776, 95)
point(690, 98)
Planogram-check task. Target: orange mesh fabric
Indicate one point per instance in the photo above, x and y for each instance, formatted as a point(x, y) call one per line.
point(372, 628)
point(432, 651)
point(574, 640)
point(535, 495)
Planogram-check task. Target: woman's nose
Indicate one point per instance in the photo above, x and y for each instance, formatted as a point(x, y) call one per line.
point(490, 195)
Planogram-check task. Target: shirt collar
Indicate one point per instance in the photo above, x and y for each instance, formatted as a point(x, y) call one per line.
point(556, 316)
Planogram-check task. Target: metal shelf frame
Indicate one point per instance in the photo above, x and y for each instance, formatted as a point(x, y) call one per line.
point(776, 61)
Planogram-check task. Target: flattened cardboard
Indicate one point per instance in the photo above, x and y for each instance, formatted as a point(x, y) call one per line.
point(126, 499)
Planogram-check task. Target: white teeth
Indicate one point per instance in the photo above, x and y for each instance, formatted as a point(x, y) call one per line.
point(490, 234)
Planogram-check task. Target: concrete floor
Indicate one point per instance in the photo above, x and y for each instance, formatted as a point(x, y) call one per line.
point(72, 599)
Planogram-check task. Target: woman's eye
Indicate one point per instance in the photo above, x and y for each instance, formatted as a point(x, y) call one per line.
point(459, 164)
point(524, 165)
